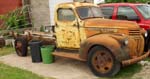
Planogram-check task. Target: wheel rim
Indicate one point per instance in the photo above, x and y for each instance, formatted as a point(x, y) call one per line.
point(102, 61)
point(19, 47)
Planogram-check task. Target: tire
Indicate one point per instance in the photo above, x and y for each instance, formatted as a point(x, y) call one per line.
point(148, 46)
point(147, 42)
point(96, 58)
point(21, 46)
point(2, 42)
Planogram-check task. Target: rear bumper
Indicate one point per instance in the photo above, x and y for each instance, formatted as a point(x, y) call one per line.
point(135, 60)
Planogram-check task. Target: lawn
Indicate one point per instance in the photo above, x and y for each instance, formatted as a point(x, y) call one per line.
point(7, 72)
point(6, 50)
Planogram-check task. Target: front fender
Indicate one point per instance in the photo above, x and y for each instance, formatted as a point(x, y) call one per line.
point(113, 44)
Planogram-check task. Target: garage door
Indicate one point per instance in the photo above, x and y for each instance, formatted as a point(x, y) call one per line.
point(9, 5)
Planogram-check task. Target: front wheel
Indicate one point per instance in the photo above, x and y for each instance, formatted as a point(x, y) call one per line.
point(102, 62)
point(21, 46)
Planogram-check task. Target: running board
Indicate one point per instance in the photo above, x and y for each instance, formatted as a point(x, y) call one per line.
point(68, 55)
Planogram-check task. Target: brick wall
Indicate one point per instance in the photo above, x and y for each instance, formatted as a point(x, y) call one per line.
point(40, 13)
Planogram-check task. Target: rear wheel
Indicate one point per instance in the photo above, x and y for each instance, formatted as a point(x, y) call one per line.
point(102, 62)
point(148, 46)
point(2, 42)
point(21, 46)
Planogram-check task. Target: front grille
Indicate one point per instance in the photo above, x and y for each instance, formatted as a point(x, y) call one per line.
point(134, 32)
point(137, 37)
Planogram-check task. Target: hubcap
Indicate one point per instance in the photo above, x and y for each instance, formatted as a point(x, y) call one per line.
point(102, 61)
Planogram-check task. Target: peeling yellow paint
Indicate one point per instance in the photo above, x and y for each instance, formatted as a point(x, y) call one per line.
point(67, 35)
point(82, 34)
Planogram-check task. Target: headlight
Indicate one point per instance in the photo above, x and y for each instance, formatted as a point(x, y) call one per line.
point(146, 34)
point(126, 41)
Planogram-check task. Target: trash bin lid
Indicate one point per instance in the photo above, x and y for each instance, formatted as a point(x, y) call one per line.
point(33, 42)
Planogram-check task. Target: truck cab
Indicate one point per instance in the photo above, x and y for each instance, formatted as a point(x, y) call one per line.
point(83, 34)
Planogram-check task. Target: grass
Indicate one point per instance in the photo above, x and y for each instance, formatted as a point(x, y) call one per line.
point(7, 72)
point(6, 50)
point(147, 59)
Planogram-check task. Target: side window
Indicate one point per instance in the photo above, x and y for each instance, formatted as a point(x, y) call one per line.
point(66, 15)
point(107, 11)
point(126, 13)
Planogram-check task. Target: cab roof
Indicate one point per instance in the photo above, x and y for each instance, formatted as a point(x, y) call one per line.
point(75, 4)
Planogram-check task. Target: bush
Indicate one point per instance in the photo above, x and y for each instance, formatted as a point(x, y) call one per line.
point(16, 19)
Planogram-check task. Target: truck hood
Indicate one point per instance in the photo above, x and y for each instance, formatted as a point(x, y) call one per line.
point(107, 23)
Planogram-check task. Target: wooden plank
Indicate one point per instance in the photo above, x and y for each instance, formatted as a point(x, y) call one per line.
point(68, 55)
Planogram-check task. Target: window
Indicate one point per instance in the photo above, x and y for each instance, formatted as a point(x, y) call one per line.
point(84, 12)
point(126, 13)
point(144, 10)
point(107, 11)
point(66, 15)
point(87, 12)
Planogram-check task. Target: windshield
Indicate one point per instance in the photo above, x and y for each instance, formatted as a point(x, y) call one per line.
point(144, 10)
point(89, 12)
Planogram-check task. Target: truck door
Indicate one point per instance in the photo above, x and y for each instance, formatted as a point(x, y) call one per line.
point(67, 32)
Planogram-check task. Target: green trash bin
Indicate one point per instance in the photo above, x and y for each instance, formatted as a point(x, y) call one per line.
point(46, 52)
